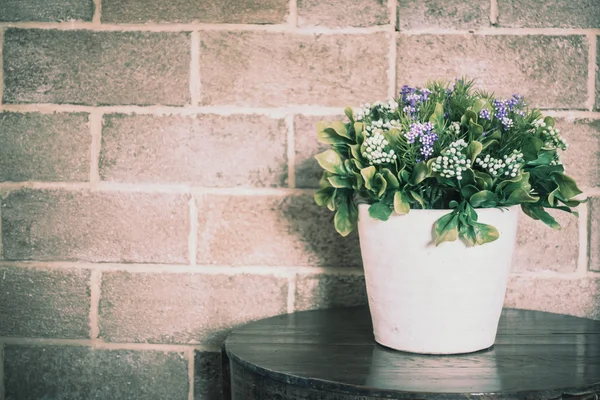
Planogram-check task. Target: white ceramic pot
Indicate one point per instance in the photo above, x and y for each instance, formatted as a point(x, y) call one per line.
point(435, 300)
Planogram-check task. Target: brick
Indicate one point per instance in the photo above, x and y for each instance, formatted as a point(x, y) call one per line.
point(549, 14)
point(541, 248)
point(51, 303)
point(207, 376)
point(582, 158)
point(308, 172)
point(184, 308)
point(317, 291)
point(579, 297)
point(44, 147)
point(32, 10)
point(597, 72)
point(83, 373)
point(302, 69)
point(96, 68)
point(594, 233)
point(342, 13)
point(460, 14)
point(277, 231)
point(207, 11)
point(551, 71)
point(208, 150)
point(94, 226)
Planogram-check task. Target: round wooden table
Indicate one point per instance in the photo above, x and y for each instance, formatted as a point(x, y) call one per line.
point(331, 354)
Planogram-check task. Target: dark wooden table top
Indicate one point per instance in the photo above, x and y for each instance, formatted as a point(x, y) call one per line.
point(537, 355)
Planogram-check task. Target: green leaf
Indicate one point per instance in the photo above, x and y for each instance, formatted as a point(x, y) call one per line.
point(483, 199)
point(394, 137)
point(346, 217)
point(349, 113)
point(331, 161)
point(328, 135)
point(419, 173)
point(453, 204)
point(401, 204)
point(323, 195)
point(381, 183)
point(519, 196)
point(530, 148)
point(538, 212)
point(475, 130)
point(467, 234)
point(417, 197)
point(473, 150)
point(340, 129)
point(545, 171)
point(339, 182)
point(551, 196)
point(332, 203)
point(483, 179)
point(380, 211)
point(484, 233)
point(355, 151)
point(480, 104)
point(468, 116)
point(544, 157)
point(392, 181)
point(446, 228)
point(358, 131)
point(437, 118)
point(567, 186)
point(368, 174)
point(404, 176)
point(549, 122)
point(468, 191)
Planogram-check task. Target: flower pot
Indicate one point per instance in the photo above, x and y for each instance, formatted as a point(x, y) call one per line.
point(435, 300)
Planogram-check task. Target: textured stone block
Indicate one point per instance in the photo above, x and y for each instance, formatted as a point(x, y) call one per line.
point(551, 71)
point(207, 376)
point(343, 13)
point(208, 150)
point(52, 303)
point(44, 147)
point(275, 69)
point(580, 297)
point(84, 67)
point(594, 233)
point(93, 226)
point(33, 10)
point(597, 73)
point(83, 373)
point(306, 146)
point(582, 158)
point(541, 248)
point(459, 14)
point(185, 308)
point(329, 290)
point(278, 231)
point(208, 11)
point(549, 14)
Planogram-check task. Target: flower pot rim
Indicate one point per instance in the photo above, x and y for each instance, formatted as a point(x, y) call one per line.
point(448, 210)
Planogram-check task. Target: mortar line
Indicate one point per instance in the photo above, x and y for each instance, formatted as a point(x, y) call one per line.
point(575, 114)
point(547, 274)
point(195, 82)
point(592, 66)
point(95, 122)
point(97, 18)
point(95, 288)
point(191, 373)
point(2, 389)
point(291, 295)
point(291, 150)
point(1, 233)
point(292, 19)
point(280, 271)
point(493, 12)
point(99, 344)
point(1, 67)
point(394, 18)
point(591, 191)
point(392, 67)
point(193, 236)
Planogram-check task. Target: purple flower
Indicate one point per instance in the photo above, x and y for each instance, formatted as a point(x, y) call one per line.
point(427, 138)
point(514, 101)
point(485, 114)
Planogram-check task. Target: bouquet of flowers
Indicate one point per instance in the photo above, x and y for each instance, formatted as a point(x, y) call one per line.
point(444, 148)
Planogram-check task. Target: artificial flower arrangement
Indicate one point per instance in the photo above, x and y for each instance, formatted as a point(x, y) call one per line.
point(444, 148)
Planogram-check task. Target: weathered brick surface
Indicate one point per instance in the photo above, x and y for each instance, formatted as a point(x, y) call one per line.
point(52, 303)
point(551, 71)
point(208, 150)
point(84, 67)
point(207, 376)
point(184, 308)
point(342, 13)
point(306, 146)
point(594, 233)
point(597, 107)
point(32, 10)
point(278, 231)
point(460, 14)
point(275, 69)
point(582, 158)
point(329, 290)
point(93, 226)
point(580, 297)
point(211, 11)
point(83, 373)
point(41, 147)
point(541, 248)
point(549, 14)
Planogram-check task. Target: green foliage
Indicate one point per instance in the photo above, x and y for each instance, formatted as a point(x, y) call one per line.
point(438, 147)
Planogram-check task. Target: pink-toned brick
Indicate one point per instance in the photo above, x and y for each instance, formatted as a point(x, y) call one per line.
point(271, 230)
point(317, 291)
point(594, 233)
point(457, 14)
point(342, 13)
point(275, 69)
point(582, 158)
point(549, 14)
point(206, 150)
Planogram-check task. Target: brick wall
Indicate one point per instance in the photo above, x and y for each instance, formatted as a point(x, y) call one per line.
point(156, 169)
